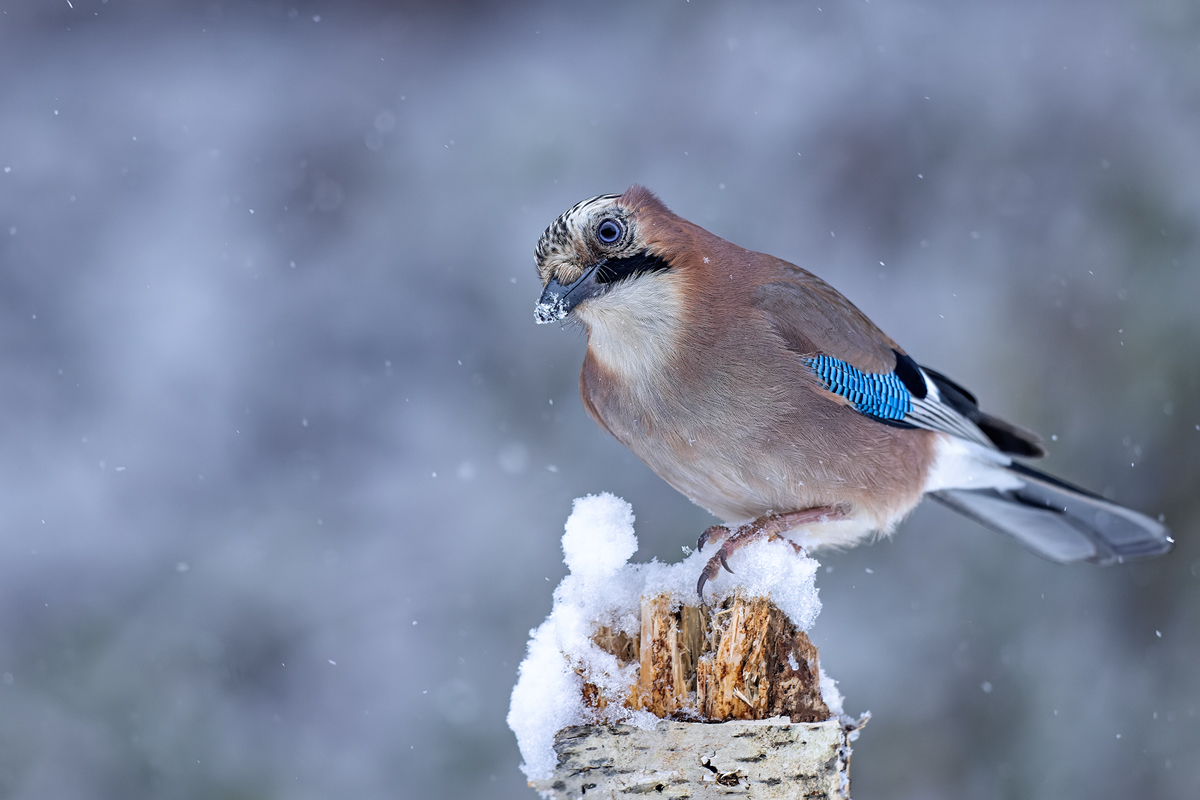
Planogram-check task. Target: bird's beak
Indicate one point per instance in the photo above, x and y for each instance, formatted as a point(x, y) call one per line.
point(557, 300)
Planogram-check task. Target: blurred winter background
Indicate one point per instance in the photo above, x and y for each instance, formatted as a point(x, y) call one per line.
point(285, 459)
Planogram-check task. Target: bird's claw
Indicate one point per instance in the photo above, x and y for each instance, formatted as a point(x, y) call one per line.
point(713, 568)
point(707, 574)
point(711, 532)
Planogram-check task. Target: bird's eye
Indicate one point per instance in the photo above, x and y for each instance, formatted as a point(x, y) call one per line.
point(609, 231)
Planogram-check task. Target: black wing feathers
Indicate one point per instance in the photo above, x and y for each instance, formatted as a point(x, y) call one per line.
point(910, 375)
point(1008, 438)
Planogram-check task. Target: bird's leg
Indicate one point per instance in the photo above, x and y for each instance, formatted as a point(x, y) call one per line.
point(769, 527)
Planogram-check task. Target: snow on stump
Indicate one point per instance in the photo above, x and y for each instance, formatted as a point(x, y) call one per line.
point(632, 686)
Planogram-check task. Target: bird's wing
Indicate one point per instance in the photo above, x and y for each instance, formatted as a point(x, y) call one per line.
point(860, 364)
point(813, 317)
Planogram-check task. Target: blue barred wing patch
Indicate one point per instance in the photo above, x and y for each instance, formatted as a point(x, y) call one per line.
point(882, 396)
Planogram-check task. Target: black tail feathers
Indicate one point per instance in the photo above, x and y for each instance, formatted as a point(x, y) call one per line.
point(1061, 522)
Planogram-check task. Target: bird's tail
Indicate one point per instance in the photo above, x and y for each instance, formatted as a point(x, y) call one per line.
point(1059, 521)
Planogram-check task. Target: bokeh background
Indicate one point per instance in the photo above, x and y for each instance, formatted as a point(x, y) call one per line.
point(284, 459)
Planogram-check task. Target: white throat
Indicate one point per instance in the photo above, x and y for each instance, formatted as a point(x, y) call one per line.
point(632, 329)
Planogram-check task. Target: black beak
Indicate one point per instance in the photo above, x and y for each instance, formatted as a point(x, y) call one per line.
point(557, 300)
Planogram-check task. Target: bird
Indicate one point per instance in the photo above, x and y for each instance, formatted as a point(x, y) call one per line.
point(762, 394)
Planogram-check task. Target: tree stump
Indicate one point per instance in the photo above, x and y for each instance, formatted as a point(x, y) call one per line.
point(738, 689)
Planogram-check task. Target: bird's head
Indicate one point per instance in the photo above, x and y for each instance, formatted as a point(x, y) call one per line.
point(598, 246)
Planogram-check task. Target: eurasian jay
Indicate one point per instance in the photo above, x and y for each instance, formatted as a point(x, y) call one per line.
point(762, 394)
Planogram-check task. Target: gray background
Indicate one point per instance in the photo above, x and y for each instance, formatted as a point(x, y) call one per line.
point(272, 397)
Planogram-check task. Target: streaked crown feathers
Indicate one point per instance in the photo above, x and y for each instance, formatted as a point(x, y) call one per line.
point(565, 247)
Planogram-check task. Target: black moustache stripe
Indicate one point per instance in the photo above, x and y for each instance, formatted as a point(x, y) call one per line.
point(612, 270)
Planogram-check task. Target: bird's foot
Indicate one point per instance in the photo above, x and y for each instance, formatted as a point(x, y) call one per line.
point(770, 527)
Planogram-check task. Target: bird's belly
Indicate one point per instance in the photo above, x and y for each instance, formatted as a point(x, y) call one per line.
point(743, 455)
point(743, 473)
point(737, 492)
